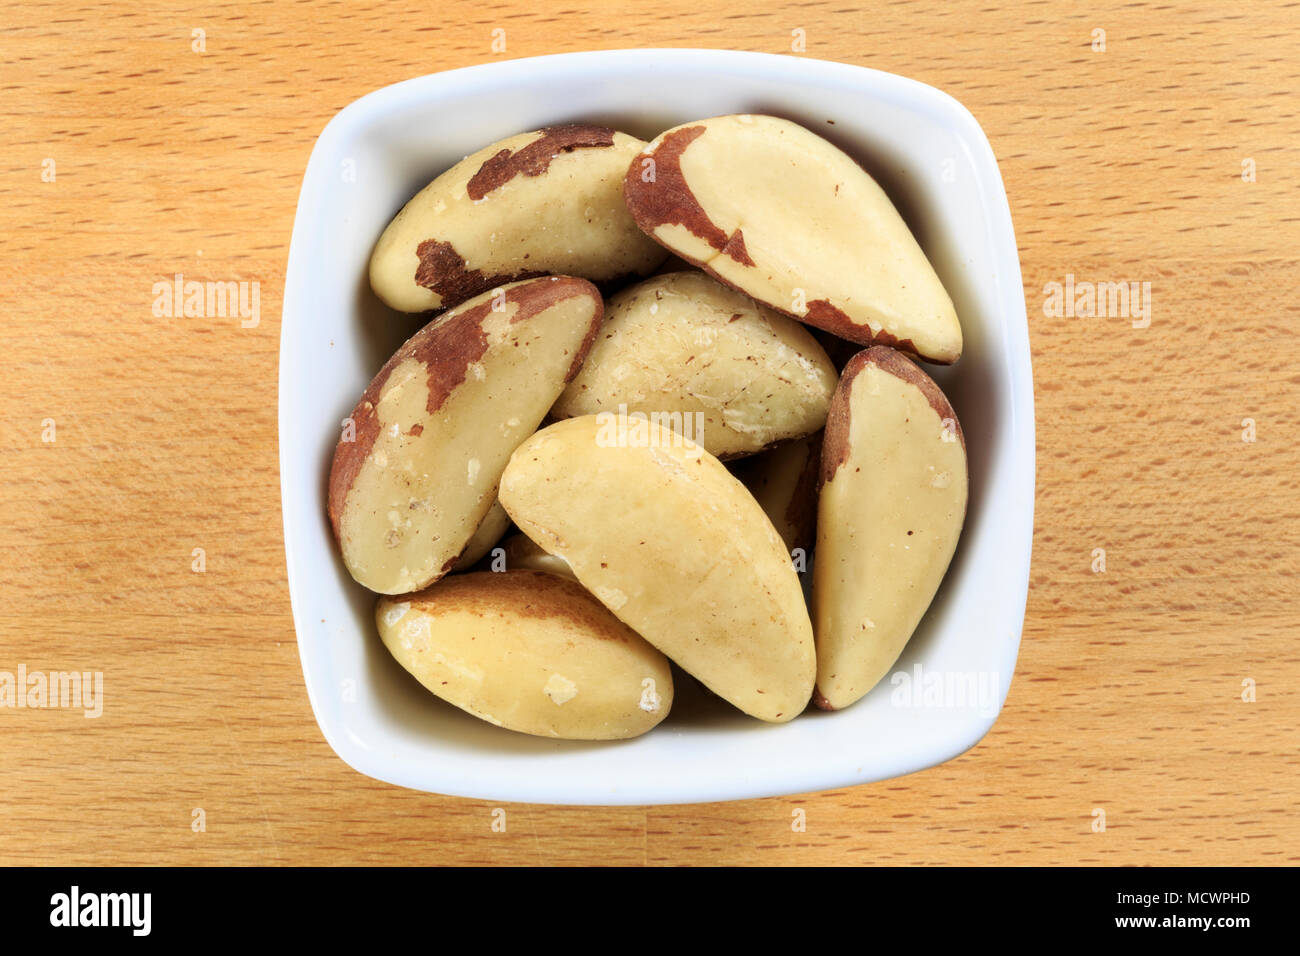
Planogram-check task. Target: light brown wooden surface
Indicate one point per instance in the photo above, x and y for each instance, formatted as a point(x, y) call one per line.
point(1122, 165)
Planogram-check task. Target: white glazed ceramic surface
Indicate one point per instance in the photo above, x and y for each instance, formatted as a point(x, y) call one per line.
point(932, 158)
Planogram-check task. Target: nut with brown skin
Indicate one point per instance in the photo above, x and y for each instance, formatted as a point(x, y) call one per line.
point(667, 539)
point(531, 652)
point(638, 545)
point(436, 426)
point(891, 509)
point(776, 211)
point(545, 202)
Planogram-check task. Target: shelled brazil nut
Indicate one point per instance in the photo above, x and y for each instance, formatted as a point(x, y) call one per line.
point(545, 202)
point(635, 544)
point(438, 423)
point(657, 529)
point(788, 218)
point(530, 651)
point(740, 376)
point(891, 508)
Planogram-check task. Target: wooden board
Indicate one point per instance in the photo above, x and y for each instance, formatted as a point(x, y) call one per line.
point(1122, 165)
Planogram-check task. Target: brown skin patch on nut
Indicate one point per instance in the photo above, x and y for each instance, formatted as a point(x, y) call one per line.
point(832, 319)
point(835, 437)
point(735, 249)
point(521, 592)
point(902, 345)
point(447, 347)
point(900, 366)
point(442, 270)
point(454, 343)
point(668, 200)
point(460, 340)
point(350, 456)
point(535, 158)
point(538, 296)
point(835, 441)
point(581, 355)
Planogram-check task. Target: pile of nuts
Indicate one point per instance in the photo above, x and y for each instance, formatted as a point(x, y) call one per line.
point(600, 427)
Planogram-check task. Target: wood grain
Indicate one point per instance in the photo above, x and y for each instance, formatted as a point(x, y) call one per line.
point(1122, 165)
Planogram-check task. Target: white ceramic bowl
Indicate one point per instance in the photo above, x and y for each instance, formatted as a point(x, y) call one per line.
point(932, 158)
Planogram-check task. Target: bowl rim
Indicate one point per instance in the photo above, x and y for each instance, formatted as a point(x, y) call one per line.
point(911, 94)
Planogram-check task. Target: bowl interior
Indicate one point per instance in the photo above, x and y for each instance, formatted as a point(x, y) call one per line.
point(931, 158)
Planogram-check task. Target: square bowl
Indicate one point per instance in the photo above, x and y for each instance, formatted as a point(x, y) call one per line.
point(930, 155)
